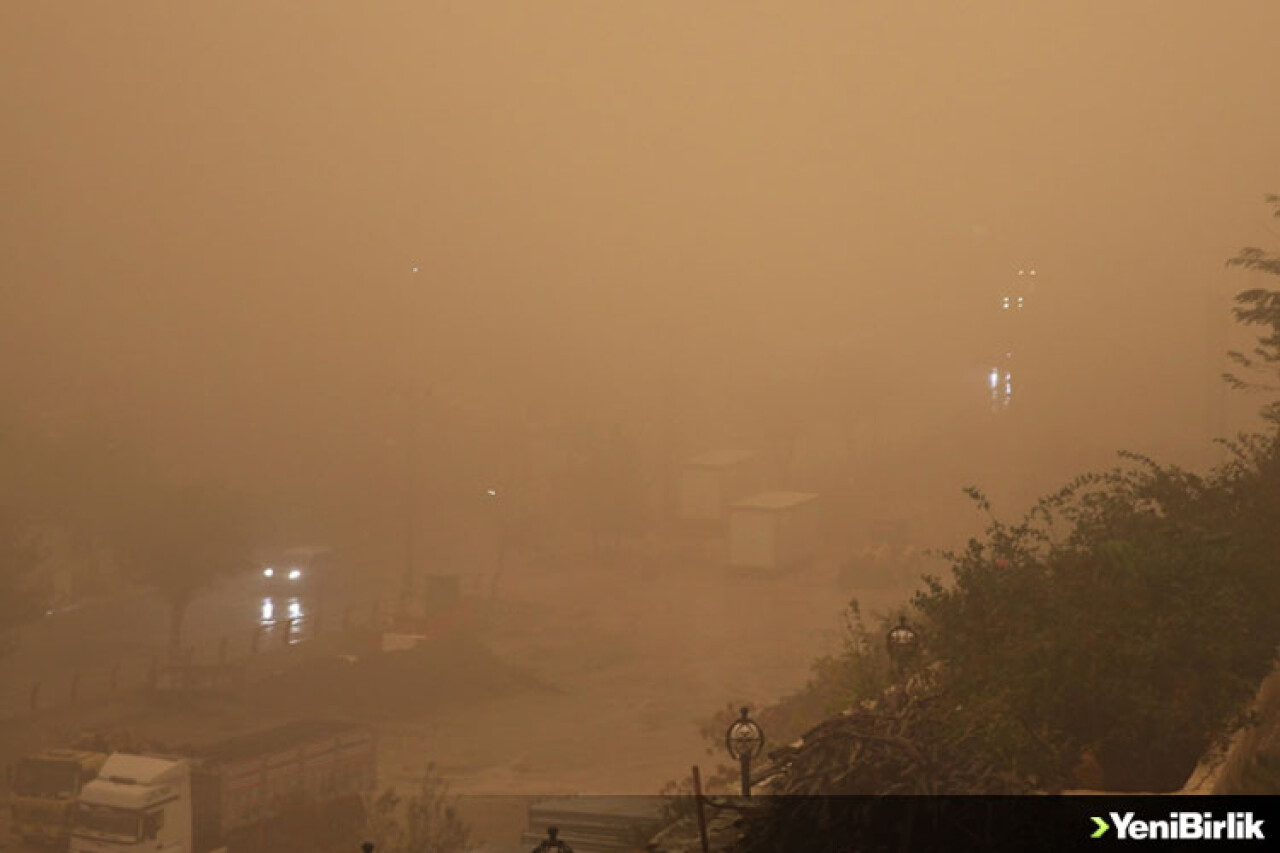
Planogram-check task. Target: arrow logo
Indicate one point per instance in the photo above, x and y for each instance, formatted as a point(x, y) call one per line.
point(1102, 828)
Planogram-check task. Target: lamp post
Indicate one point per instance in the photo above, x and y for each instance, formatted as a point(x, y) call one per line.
point(902, 643)
point(745, 740)
point(552, 843)
point(410, 493)
point(499, 508)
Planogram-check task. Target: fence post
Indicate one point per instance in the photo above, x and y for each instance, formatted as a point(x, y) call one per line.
point(698, 804)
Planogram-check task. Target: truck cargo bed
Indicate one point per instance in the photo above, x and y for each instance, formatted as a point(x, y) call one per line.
point(310, 774)
point(282, 737)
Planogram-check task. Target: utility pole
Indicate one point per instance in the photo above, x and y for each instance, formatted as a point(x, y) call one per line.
point(413, 393)
point(410, 493)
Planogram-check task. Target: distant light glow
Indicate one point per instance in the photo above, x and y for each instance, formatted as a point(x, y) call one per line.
point(294, 574)
point(268, 573)
point(295, 609)
point(415, 269)
point(268, 610)
point(493, 493)
point(1001, 382)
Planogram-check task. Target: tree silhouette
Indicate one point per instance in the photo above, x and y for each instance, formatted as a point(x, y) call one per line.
point(425, 821)
point(22, 595)
point(180, 539)
point(1259, 307)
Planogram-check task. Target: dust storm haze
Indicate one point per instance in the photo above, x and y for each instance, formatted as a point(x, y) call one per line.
point(362, 263)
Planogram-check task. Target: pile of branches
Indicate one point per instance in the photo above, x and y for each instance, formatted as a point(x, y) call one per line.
point(852, 783)
point(912, 741)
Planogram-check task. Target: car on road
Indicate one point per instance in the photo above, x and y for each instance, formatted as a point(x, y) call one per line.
point(293, 571)
point(284, 580)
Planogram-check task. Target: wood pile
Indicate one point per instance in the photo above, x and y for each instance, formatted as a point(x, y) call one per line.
point(865, 780)
point(907, 743)
point(880, 755)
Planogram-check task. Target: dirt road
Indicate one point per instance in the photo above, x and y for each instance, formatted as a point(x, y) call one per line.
point(639, 656)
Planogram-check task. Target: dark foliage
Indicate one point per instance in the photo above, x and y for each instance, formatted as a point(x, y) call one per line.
point(424, 821)
point(180, 539)
point(22, 593)
point(1259, 307)
point(1129, 617)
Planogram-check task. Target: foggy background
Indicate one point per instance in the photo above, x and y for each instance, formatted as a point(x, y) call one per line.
point(681, 218)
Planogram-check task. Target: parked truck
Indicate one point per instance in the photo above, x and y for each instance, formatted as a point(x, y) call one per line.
point(45, 789)
point(297, 787)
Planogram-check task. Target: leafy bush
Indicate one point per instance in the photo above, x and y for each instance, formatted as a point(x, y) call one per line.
point(1129, 617)
point(860, 672)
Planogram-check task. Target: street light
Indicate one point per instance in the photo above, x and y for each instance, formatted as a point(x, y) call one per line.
point(501, 532)
point(902, 642)
point(745, 741)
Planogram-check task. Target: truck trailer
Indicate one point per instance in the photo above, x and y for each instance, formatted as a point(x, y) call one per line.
point(296, 787)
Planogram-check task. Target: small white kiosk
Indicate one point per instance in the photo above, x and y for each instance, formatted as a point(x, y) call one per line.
point(712, 481)
point(773, 530)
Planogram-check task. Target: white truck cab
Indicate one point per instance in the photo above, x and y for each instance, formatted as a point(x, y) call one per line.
point(139, 804)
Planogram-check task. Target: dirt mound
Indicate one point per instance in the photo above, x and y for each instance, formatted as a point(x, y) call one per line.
point(394, 684)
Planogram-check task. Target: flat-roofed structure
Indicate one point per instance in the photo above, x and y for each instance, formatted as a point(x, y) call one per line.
point(773, 530)
point(711, 481)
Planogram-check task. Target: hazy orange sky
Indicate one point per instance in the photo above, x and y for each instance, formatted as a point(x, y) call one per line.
point(212, 209)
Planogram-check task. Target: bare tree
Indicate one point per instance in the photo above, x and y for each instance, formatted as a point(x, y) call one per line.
point(22, 595)
point(426, 821)
point(178, 540)
point(1259, 307)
